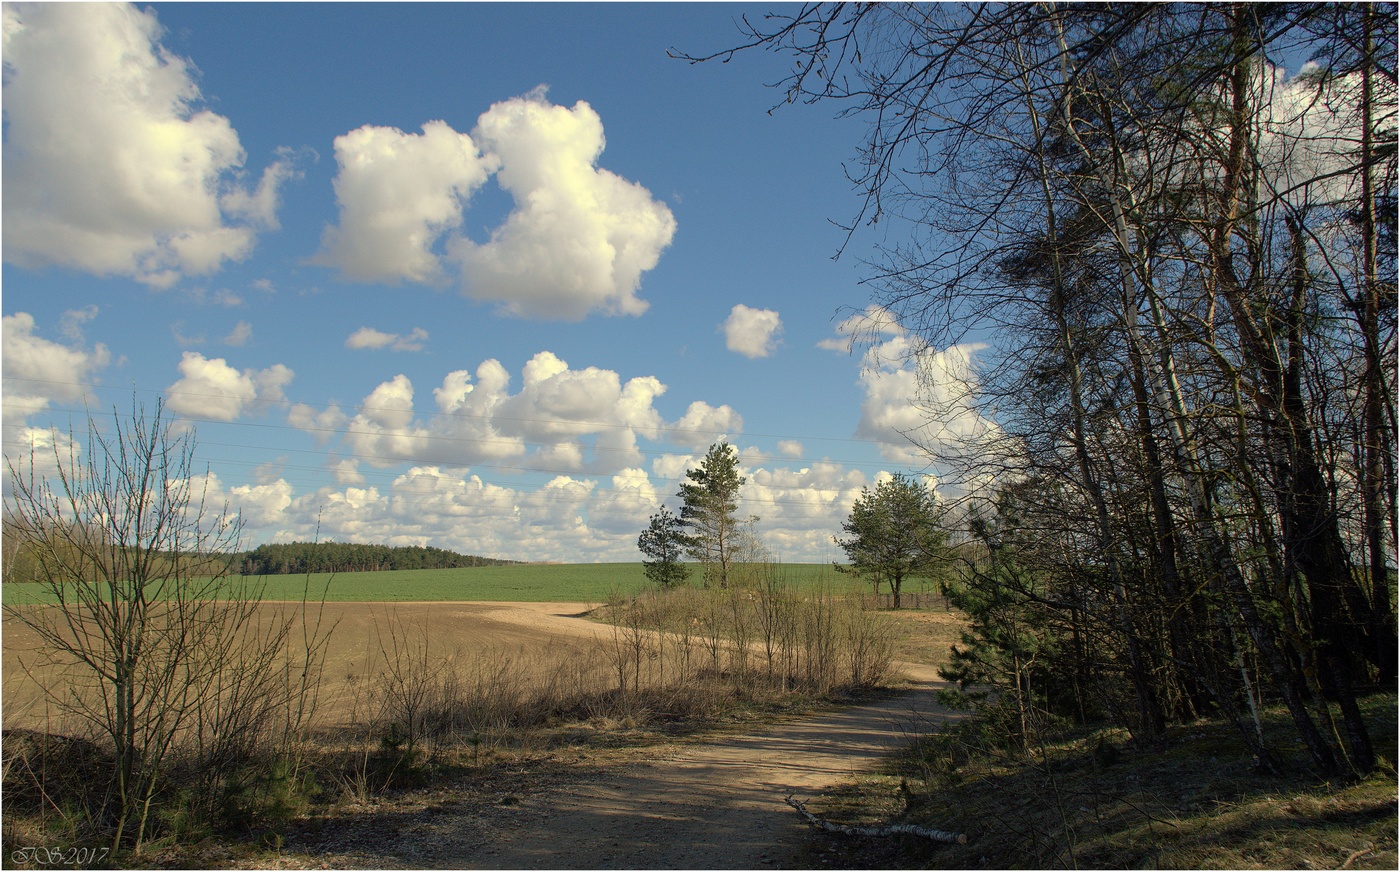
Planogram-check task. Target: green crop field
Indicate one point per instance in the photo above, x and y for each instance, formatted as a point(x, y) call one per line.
point(566, 582)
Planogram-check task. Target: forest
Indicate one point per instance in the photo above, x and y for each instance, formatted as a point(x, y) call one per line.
point(1165, 237)
point(299, 557)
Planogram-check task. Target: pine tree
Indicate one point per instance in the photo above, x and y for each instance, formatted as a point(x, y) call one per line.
point(711, 499)
point(664, 543)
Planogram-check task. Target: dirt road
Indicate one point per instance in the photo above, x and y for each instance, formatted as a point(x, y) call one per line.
point(713, 806)
point(717, 805)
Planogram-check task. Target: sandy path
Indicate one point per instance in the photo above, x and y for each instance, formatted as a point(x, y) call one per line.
point(717, 805)
point(714, 806)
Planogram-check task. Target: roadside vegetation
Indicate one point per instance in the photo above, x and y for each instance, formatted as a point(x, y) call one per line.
point(1092, 798)
point(414, 711)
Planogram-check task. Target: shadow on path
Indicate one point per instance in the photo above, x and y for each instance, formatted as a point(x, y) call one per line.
point(712, 806)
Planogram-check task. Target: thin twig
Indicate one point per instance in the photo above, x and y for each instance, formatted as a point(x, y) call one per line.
point(887, 830)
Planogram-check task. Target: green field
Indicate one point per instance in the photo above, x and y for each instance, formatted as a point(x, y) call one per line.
point(565, 582)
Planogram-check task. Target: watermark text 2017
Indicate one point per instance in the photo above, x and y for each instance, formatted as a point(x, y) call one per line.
point(70, 857)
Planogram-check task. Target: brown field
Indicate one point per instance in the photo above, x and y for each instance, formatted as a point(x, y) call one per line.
point(535, 637)
point(533, 640)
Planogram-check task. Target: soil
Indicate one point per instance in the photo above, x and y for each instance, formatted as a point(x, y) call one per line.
point(713, 804)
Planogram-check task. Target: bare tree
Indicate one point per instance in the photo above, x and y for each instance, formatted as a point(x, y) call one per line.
point(139, 612)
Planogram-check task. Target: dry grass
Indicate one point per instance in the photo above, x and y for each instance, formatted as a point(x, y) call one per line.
point(924, 636)
point(1096, 801)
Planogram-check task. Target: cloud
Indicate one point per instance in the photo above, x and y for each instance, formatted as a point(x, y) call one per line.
point(177, 332)
point(557, 403)
point(561, 419)
point(790, 448)
point(623, 509)
point(399, 193)
point(347, 471)
point(110, 165)
point(369, 338)
point(242, 332)
point(752, 332)
point(212, 390)
point(38, 371)
point(34, 366)
point(865, 327)
point(567, 518)
point(258, 207)
point(257, 504)
point(385, 430)
point(577, 240)
point(225, 297)
point(71, 324)
point(813, 498)
point(580, 237)
point(798, 510)
point(702, 425)
point(918, 400)
point(1310, 132)
point(321, 425)
point(673, 467)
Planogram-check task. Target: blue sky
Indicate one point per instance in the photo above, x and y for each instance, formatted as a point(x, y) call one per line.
point(374, 255)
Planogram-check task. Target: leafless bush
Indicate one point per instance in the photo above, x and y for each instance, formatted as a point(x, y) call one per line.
point(147, 643)
point(760, 627)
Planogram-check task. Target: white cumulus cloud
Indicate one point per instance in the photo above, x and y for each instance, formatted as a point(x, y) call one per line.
point(110, 165)
point(567, 519)
point(580, 237)
point(791, 448)
point(866, 327)
point(752, 332)
point(918, 399)
point(213, 390)
point(561, 419)
point(38, 371)
point(577, 241)
point(37, 367)
point(399, 193)
point(702, 425)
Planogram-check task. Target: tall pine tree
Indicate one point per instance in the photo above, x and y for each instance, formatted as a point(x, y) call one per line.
point(711, 500)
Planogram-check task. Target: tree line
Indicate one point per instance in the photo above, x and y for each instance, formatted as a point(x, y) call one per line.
point(1179, 260)
point(301, 557)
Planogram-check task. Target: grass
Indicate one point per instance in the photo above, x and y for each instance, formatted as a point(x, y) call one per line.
point(1094, 800)
point(564, 582)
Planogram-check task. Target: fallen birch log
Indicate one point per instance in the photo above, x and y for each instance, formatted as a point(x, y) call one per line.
point(887, 830)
